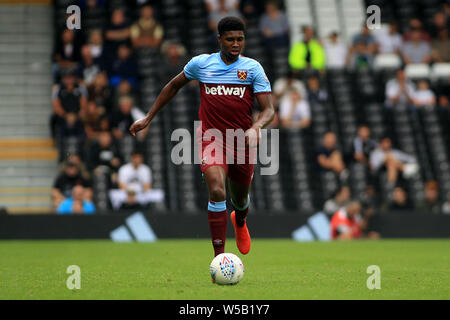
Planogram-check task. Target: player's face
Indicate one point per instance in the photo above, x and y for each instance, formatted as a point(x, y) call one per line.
point(232, 43)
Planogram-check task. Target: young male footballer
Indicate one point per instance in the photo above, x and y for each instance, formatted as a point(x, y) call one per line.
point(228, 85)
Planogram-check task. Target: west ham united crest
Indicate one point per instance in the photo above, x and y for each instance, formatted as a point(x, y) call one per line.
point(242, 74)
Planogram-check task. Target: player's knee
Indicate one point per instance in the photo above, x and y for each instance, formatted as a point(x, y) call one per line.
point(217, 193)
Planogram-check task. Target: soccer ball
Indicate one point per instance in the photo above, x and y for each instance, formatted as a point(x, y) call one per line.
point(226, 268)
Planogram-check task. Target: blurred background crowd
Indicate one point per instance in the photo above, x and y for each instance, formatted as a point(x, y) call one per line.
point(364, 114)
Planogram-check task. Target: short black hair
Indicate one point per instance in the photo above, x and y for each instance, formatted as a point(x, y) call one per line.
point(230, 24)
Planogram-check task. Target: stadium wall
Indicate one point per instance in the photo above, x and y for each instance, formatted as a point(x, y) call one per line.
point(173, 225)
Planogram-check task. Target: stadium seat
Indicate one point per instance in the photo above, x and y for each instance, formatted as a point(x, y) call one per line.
point(387, 61)
point(417, 71)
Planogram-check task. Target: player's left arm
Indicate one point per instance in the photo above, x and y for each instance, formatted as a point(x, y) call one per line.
point(264, 118)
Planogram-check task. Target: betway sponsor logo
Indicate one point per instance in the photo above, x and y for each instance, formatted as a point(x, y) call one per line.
point(222, 90)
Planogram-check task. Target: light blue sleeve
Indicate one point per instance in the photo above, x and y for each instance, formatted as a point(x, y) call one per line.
point(191, 68)
point(88, 208)
point(65, 207)
point(260, 81)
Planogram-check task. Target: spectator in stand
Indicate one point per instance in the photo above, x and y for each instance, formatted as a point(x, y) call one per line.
point(123, 67)
point(282, 87)
point(399, 90)
point(347, 223)
point(394, 161)
point(146, 32)
point(307, 55)
point(174, 58)
point(134, 176)
point(124, 117)
point(440, 23)
point(123, 89)
point(66, 53)
point(95, 44)
point(274, 27)
point(118, 32)
point(294, 111)
point(389, 41)
point(423, 96)
point(362, 50)
point(431, 203)
point(93, 14)
point(219, 9)
point(413, 25)
point(336, 52)
point(105, 152)
point(363, 145)
point(131, 202)
point(66, 180)
point(416, 50)
point(400, 201)
point(100, 92)
point(340, 199)
point(316, 93)
point(87, 68)
point(76, 204)
point(69, 97)
point(446, 206)
point(329, 158)
point(440, 47)
point(72, 128)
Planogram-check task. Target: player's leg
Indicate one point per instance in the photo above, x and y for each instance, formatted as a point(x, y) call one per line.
point(215, 177)
point(239, 192)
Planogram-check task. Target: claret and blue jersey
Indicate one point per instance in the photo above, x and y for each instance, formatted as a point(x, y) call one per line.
point(227, 92)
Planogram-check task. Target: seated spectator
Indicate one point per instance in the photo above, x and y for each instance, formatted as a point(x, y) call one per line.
point(93, 14)
point(118, 32)
point(446, 206)
point(123, 67)
point(400, 201)
point(135, 176)
point(146, 32)
point(363, 145)
point(123, 89)
point(308, 54)
point(124, 117)
point(389, 41)
point(274, 27)
point(362, 50)
point(214, 5)
point(336, 52)
point(66, 53)
point(399, 90)
point(72, 128)
point(316, 93)
point(329, 158)
point(219, 10)
point(440, 47)
point(294, 111)
point(431, 203)
point(67, 98)
point(394, 161)
point(416, 50)
point(423, 96)
point(76, 204)
point(66, 180)
point(95, 44)
point(282, 87)
point(347, 223)
point(131, 202)
point(340, 199)
point(105, 152)
point(415, 24)
point(87, 68)
point(174, 58)
point(440, 23)
point(100, 92)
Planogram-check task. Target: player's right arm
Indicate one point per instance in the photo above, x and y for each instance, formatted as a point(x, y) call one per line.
point(167, 93)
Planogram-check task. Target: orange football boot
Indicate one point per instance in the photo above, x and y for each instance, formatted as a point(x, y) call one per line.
point(243, 240)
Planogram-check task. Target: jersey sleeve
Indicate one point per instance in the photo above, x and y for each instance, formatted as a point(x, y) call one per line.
point(261, 83)
point(191, 68)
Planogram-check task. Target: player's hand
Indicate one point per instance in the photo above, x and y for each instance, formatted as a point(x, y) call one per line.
point(252, 137)
point(138, 125)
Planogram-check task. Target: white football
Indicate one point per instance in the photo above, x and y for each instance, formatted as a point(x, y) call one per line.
point(226, 268)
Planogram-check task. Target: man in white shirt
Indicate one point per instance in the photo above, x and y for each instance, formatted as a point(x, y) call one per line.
point(399, 90)
point(336, 52)
point(389, 41)
point(294, 111)
point(135, 176)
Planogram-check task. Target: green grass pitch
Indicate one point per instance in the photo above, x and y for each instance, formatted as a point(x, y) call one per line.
point(179, 269)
